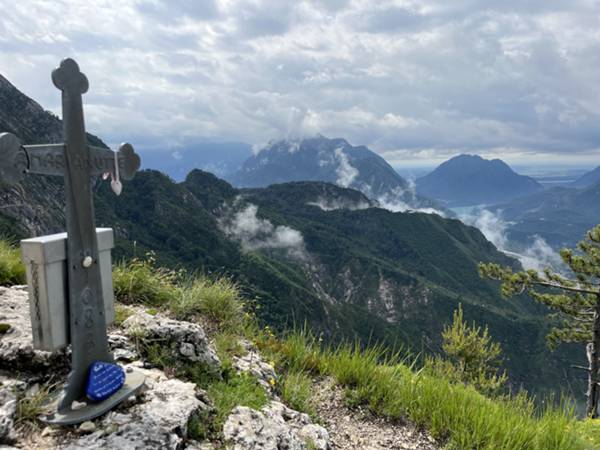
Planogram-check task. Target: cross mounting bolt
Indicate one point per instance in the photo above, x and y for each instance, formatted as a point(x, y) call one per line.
point(69, 79)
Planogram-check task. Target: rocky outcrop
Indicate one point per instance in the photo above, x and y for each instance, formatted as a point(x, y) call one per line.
point(275, 427)
point(253, 364)
point(187, 340)
point(8, 408)
point(16, 344)
point(158, 419)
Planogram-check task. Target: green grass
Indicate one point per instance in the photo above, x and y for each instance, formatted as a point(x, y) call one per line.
point(240, 390)
point(12, 270)
point(453, 413)
point(295, 389)
point(139, 281)
point(30, 407)
point(216, 299)
point(590, 430)
point(186, 297)
point(122, 312)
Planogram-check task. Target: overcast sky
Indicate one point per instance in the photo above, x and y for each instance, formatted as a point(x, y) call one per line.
point(417, 81)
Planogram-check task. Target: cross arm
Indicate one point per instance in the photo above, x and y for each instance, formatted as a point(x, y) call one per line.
point(49, 159)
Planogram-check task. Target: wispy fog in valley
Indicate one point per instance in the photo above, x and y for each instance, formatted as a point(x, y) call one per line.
point(536, 256)
point(253, 233)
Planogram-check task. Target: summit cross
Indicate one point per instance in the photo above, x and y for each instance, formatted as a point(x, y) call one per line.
point(78, 163)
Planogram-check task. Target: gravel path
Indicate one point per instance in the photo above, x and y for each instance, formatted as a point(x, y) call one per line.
point(357, 429)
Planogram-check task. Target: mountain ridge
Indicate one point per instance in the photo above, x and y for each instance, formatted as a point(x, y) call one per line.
point(332, 160)
point(349, 272)
point(561, 215)
point(466, 180)
point(587, 179)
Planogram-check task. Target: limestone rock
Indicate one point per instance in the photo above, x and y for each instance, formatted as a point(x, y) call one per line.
point(158, 421)
point(187, 340)
point(253, 363)
point(87, 427)
point(122, 348)
point(8, 409)
point(274, 427)
point(16, 345)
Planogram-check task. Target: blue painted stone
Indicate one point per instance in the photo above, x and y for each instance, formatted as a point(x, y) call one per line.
point(104, 379)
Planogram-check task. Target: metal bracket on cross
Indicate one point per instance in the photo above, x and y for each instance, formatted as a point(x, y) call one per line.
point(95, 381)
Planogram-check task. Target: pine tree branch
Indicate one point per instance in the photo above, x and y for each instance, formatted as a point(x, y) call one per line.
point(567, 288)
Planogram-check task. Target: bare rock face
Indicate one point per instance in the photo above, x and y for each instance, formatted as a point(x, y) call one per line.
point(187, 340)
point(16, 344)
point(158, 420)
point(275, 427)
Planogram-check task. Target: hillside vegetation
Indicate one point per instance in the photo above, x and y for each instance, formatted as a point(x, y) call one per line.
point(387, 384)
point(348, 271)
point(305, 252)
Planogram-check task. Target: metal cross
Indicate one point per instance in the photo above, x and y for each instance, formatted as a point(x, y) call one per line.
point(77, 162)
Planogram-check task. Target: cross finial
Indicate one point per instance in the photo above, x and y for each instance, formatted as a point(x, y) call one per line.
point(68, 78)
point(130, 161)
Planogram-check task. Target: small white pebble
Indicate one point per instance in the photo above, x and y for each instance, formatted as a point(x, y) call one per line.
point(87, 427)
point(78, 405)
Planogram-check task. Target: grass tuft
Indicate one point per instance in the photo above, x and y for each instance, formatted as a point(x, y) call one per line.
point(239, 390)
point(216, 299)
point(296, 389)
point(30, 407)
point(453, 413)
point(139, 281)
point(12, 270)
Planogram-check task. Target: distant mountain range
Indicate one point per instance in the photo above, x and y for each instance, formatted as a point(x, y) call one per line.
point(334, 161)
point(220, 158)
point(307, 252)
point(560, 215)
point(471, 180)
point(587, 179)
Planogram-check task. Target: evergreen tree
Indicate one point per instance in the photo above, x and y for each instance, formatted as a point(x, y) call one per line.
point(471, 356)
point(574, 300)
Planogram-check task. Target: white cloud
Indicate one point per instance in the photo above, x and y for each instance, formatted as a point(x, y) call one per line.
point(332, 204)
point(413, 79)
point(345, 171)
point(255, 233)
point(537, 256)
point(490, 224)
